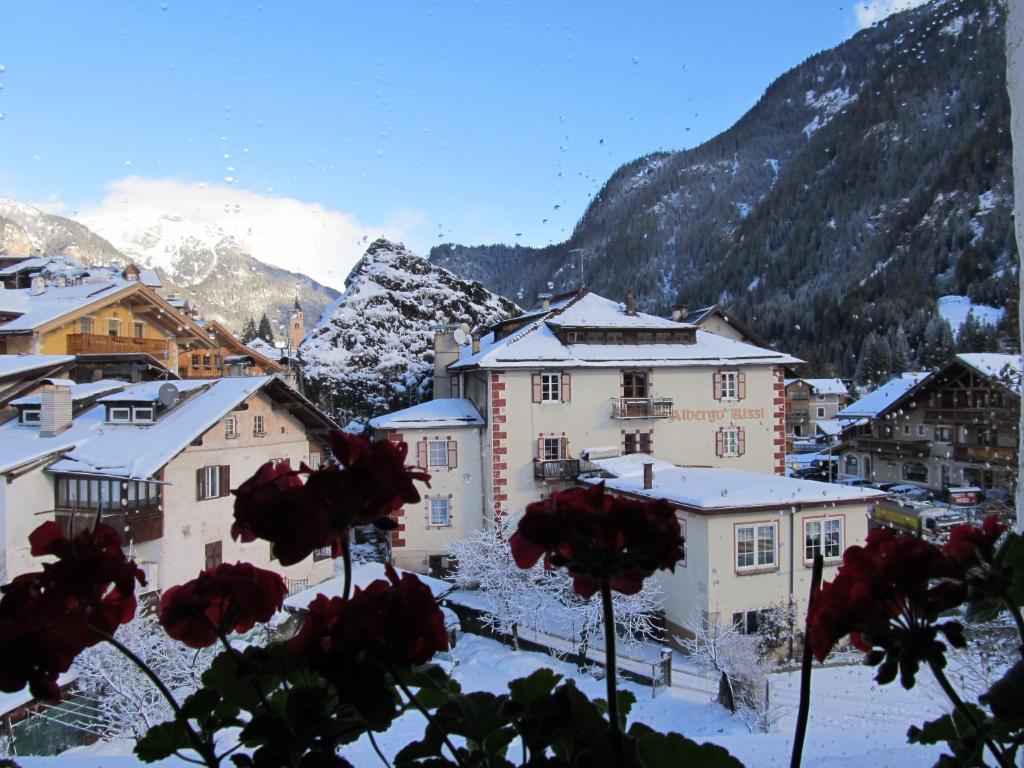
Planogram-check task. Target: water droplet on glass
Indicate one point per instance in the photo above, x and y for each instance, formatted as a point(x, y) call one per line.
point(3, 68)
point(163, 6)
point(1, 115)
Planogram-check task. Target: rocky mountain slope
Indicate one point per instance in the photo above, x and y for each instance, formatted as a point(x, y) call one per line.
point(200, 263)
point(864, 184)
point(372, 351)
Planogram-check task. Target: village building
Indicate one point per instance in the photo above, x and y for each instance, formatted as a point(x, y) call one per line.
point(156, 460)
point(719, 320)
point(957, 426)
point(811, 408)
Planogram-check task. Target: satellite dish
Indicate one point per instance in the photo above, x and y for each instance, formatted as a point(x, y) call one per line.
point(461, 337)
point(168, 395)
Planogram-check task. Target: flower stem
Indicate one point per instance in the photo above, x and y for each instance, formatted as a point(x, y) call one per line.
point(966, 713)
point(376, 748)
point(423, 711)
point(804, 708)
point(346, 556)
point(609, 669)
point(204, 749)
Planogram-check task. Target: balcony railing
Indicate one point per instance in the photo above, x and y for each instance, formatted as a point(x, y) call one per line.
point(985, 454)
point(641, 407)
point(205, 364)
point(136, 525)
point(892, 447)
point(553, 470)
point(970, 416)
point(94, 343)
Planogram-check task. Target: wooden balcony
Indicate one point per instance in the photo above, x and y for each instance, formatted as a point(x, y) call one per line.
point(202, 364)
point(893, 447)
point(134, 525)
point(971, 416)
point(554, 470)
point(985, 454)
point(94, 343)
point(641, 407)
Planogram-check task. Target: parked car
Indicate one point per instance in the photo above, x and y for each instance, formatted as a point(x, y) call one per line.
point(909, 492)
point(885, 486)
point(856, 482)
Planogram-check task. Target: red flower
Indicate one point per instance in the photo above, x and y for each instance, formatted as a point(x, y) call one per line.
point(393, 622)
point(599, 538)
point(296, 517)
point(228, 598)
point(47, 618)
point(970, 546)
point(888, 596)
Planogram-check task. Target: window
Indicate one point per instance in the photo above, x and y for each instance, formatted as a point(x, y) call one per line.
point(440, 512)
point(634, 384)
point(729, 385)
point(922, 431)
point(551, 448)
point(323, 553)
point(915, 471)
point(944, 434)
point(214, 554)
point(755, 546)
point(824, 536)
point(550, 387)
point(230, 428)
point(120, 415)
point(140, 330)
point(852, 465)
point(314, 459)
point(142, 413)
point(821, 412)
point(195, 361)
point(286, 461)
point(798, 430)
point(257, 426)
point(30, 415)
point(212, 482)
point(85, 325)
point(637, 442)
point(730, 442)
point(437, 453)
point(746, 622)
point(906, 429)
point(113, 327)
point(945, 475)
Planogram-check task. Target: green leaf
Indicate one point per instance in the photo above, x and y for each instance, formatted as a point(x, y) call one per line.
point(162, 741)
point(626, 701)
point(1011, 555)
point(526, 690)
point(200, 704)
point(1006, 696)
point(670, 750)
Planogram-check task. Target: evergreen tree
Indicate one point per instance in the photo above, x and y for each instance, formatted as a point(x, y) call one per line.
point(900, 351)
point(264, 331)
point(972, 337)
point(874, 365)
point(249, 331)
point(939, 345)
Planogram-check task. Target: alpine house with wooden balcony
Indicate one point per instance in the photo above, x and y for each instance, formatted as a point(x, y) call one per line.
point(156, 460)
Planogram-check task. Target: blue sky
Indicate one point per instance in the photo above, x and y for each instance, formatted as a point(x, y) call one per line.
point(463, 121)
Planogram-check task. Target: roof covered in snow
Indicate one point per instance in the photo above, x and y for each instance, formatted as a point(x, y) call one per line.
point(15, 365)
point(36, 263)
point(362, 576)
point(593, 311)
point(78, 391)
point(823, 386)
point(874, 403)
point(34, 310)
point(150, 277)
point(443, 412)
point(992, 365)
point(149, 391)
point(715, 489)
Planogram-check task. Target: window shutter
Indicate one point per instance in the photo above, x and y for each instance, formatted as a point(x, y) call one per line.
point(540, 448)
point(741, 441)
point(716, 382)
point(536, 387)
point(566, 387)
point(719, 451)
point(421, 454)
point(563, 448)
point(200, 483)
point(455, 386)
point(741, 388)
point(225, 479)
point(453, 454)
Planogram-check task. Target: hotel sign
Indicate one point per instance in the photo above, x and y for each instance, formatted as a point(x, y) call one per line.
point(717, 414)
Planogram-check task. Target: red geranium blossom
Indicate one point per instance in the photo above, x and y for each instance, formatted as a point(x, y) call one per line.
point(393, 622)
point(970, 545)
point(888, 596)
point(298, 517)
point(48, 617)
point(228, 598)
point(599, 537)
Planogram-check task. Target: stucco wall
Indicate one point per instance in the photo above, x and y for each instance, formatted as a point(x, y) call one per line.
point(26, 502)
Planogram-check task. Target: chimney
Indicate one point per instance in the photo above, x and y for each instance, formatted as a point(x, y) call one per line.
point(55, 413)
point(678, 314)
point(545, 303)
point(37, 286)
point(648, 476)
point(630, 303)
point(476, 345)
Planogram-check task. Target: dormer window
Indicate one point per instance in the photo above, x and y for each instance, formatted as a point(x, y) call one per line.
point(142, 414)
point(29, 416)
point(131, 414)
point(119, 415)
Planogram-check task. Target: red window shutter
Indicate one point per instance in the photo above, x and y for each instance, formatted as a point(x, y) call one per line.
point(741, 440)
point(421, 454)
point(716, 382)
point(536, 388)
point(741, 387)
point(566, 387)
point(225, 479)
point(200, 483)
point(453, 454)
point(719, 450)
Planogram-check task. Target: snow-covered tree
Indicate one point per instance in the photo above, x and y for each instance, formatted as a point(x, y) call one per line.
point(264, 330)
point(743, 667)
point(874, 364)
point(542, 598)
point(901, 354)
point(249, 331)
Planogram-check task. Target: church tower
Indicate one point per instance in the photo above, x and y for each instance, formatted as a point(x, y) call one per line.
point(296, 328)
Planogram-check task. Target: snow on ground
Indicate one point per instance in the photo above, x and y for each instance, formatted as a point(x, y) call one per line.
point(954, 310)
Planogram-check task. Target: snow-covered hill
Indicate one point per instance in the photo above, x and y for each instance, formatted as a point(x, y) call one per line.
point(373, 350)
point(27, 231)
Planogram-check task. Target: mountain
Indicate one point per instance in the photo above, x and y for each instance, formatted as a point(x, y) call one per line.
point(866, 182)
point(373, 349)
point(213, 269)
point(27, 231)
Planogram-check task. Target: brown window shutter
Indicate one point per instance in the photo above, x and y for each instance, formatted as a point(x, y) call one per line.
point(566, 387)
point(455, 386)
point(741, 387)
point(719, 451)
point(421, 454)
point(453, 454)
point(540, 448)
point(716, 383)
point(225, 479)
point(563, 448)
point(650, 382)
point(536, 388)
point(199, 484)
point(741, 440)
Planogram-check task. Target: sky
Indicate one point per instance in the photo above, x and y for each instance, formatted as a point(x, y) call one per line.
point(328, 124)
